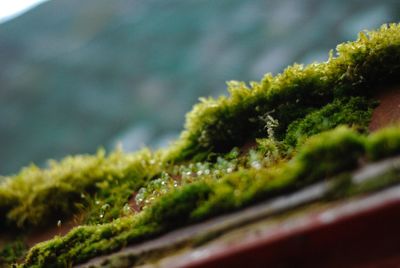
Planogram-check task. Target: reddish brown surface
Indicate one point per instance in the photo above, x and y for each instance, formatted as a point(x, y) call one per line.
point(368, 238)
point(133, 204)
point(388, 111)
point(247, 147)
point(50, 232)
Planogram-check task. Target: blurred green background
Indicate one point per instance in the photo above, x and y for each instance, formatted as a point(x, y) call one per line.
point(76, 75)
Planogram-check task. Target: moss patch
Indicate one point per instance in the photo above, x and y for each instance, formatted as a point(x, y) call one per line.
point(205, 198)
point(384, 143)
point(12, 252)
point(308, 123)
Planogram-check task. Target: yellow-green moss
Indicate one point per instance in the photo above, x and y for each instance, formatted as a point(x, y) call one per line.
point(333, 152)
point(384, 143)
point(354, 111)
point(293, 120)
point(218, 125)
point(12, 252)
point(37, 196)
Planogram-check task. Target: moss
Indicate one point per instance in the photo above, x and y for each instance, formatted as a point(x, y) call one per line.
point(34, 195)
point(213, 125)
point(89, 241)
point(239, 189)
point(335, 151)
point(295, 119)
point(384, 143)
point(299, 99)
point(328, 153)
point(354, 111)
point(12, 252)
point(175, 209)
point(8, 200)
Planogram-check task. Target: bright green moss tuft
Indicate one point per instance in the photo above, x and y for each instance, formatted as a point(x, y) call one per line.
point(354, 111)
point(31, 197)
point(218, 125)
point(384, 143)
point(175, 209)
point(328, 153)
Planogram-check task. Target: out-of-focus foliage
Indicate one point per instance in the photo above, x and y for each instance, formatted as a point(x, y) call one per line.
point(36, 196)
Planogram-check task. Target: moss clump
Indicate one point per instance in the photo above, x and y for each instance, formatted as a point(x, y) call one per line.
point(303, 100)
point(328, 153)
point(88, 241)
point(293, 121)
point(384, 143)
point(354, 111)
point(218, 125)
point(207, 197)
point(12, 252)
point(37, 197)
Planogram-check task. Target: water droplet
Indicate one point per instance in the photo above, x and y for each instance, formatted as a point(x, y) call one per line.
point(256, 164)
point(126, 208)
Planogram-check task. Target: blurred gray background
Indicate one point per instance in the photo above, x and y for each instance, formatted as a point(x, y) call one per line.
point(76, 75)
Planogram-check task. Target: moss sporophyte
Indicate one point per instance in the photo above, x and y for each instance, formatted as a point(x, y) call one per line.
point(307, 124)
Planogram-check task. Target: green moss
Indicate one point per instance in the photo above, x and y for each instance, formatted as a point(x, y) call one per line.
point(354, 111)
point(88, 241)
point(241, 188)
point(304, 100)
point(322, 156)
point(175, 209)
point(334, 151)
point(384, 143)
point(12, 252)
point(294, 118)
point(328, 153)
point(33, 196)
point(218, 125)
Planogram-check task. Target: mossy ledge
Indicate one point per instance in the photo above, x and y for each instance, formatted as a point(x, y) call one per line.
point(306, 115)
